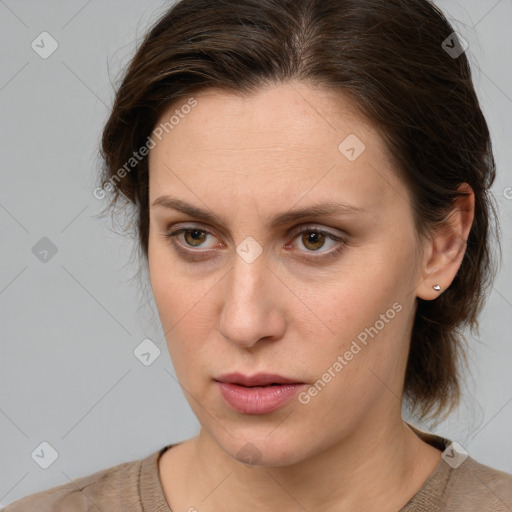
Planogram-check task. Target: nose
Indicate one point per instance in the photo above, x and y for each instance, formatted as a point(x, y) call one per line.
point(252, 306)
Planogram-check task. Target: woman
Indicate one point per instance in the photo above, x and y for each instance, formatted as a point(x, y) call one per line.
point(310, 182)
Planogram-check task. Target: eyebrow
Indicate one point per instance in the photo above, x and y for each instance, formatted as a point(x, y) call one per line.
point(330, 208)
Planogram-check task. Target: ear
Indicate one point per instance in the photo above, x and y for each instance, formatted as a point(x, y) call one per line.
point(443, 253)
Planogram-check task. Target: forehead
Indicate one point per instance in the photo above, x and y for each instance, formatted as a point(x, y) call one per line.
point(293, 114)
point(293, 139)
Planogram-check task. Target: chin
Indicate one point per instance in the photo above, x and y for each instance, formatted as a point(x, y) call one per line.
point(261, 449)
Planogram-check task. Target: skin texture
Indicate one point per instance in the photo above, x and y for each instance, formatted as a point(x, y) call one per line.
point(248, 159)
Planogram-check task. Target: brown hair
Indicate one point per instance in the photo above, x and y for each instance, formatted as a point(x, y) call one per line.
point(388, 57)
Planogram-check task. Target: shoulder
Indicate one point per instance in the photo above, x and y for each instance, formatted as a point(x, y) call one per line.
point(475, 486)
point(460, 483)
point(115, 487)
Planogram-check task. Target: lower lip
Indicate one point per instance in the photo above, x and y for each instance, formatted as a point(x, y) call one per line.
point(258, 400)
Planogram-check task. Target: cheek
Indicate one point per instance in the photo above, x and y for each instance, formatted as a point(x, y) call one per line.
point(184, 305)
point(174, 293)
point(367, 311)
point(364, 287)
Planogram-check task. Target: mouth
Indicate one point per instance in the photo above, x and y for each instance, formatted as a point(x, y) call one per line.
point(257, 394)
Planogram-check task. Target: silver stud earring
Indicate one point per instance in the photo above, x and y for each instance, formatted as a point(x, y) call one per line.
point(437, 288)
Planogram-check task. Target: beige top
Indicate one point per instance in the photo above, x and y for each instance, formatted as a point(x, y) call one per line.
point(457, 484)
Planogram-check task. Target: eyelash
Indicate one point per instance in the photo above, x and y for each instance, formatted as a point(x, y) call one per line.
point(170, 236)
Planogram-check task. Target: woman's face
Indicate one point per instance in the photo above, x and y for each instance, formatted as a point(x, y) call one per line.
point(245, 292)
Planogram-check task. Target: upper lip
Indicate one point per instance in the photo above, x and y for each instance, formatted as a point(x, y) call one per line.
point(259, 379)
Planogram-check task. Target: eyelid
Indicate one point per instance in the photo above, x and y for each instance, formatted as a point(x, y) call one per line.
point(313, 227)
point(179, 229)
point(322, 255)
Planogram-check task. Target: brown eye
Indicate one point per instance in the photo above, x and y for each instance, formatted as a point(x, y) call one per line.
point(195, 237)
point(313, 240)
point(189, 237)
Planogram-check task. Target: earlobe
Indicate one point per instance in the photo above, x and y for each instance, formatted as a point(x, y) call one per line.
point(445, 250)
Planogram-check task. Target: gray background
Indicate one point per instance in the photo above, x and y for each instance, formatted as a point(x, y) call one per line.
point(68, 373)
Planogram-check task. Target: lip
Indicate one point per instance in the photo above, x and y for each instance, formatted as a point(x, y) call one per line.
point(255, 394)
point(259, 379)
